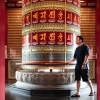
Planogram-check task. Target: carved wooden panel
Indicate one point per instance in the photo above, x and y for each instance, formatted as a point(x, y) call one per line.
point(12, 68)
point(92, 69)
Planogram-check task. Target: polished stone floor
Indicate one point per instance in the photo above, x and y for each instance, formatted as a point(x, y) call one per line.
point(17, 96)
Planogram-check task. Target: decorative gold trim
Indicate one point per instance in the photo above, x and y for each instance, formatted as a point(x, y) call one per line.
point(52, 5)
point(47, 27)
point(44, 28)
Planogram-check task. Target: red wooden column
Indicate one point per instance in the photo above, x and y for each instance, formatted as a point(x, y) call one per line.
point(2, 50)
point(98, 47)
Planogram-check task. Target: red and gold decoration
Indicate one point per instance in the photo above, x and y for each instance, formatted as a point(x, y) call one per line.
point(49, 28)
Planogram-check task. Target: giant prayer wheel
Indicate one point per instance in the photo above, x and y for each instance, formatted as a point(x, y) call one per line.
point(49, 30)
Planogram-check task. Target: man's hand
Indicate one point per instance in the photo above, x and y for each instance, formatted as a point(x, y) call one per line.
point(68, 62)
point(83, 67)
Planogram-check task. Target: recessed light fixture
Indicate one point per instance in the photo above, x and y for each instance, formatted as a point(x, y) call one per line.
point(19, 1)
point(82, 1)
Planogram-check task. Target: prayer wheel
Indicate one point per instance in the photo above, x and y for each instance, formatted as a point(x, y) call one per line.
point(49, 28)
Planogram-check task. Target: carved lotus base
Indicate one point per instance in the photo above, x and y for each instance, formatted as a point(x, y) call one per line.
point(45, 78)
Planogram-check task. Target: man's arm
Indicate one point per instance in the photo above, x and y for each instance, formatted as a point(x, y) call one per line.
point(71, 60)
point(85, 61)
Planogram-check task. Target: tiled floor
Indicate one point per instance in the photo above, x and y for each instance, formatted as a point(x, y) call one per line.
point(16, 96)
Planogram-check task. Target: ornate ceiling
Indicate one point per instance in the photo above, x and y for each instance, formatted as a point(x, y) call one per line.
point(18, 3)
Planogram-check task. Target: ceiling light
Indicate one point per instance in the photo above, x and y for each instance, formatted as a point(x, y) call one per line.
point(82, 1)
point(19, 1)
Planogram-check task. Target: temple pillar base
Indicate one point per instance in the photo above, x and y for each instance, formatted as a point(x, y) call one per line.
point(60, 90)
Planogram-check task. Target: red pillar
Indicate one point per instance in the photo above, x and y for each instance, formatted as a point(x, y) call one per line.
point(98, 47)
point(6, 32)
point(2, 50)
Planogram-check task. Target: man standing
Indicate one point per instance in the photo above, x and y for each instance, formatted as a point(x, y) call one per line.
point(82, 65)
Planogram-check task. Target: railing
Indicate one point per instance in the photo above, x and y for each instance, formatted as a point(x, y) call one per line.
point(43, 64)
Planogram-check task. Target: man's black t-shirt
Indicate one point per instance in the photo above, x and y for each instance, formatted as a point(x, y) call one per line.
point(79, 54)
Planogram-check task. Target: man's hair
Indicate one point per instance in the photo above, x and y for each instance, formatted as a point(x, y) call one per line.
point(81, 38)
